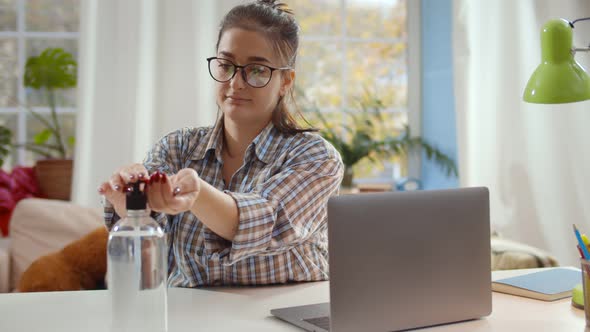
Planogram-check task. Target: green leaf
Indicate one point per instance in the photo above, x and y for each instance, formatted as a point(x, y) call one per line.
point(49, 71)
point(5, 143)
point(39, 149)
point(365, 133)
point(5, 135)
point(71, 141)
point(42, 137)
point(53, 69)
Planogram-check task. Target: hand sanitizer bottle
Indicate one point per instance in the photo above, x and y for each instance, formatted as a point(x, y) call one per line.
point(137, 268)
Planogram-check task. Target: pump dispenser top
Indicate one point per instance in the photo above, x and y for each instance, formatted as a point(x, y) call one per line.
point(135, 198)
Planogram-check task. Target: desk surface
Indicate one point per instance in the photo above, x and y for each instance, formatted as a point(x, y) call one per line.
point(248, 309)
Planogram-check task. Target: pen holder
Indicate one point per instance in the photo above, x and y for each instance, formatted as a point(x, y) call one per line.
point(585, 266)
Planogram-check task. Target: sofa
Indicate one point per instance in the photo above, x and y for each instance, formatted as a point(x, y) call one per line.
point(40, 226)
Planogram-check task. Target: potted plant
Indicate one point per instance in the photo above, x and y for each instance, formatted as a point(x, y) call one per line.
point(54, 69)
point(364, 134)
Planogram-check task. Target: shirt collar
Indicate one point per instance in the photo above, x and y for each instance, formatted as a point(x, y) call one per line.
point(267, 142)
point(264, 145)
point(214, 141)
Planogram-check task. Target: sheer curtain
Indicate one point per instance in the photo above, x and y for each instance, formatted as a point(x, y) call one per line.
point(534, 158)
point(142, 74)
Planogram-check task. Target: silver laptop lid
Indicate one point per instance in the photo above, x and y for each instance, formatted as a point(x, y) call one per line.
point(402, 260)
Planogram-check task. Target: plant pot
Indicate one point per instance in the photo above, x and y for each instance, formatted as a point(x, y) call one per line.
point(55, 178)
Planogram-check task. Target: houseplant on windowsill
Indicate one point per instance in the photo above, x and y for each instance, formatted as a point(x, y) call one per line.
point(54, 69)
point(364, 134)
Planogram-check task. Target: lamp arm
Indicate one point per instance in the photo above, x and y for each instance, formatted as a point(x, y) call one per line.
point(575, 50)
point(581, 50)
point(578, 20)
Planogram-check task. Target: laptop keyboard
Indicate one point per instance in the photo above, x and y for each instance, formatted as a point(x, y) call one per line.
point(321, 322)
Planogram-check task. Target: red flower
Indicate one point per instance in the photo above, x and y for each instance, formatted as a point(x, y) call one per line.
point(4, 219)
point(25, 183)
point(7, 203)
point(5, 179)
point(19, 184)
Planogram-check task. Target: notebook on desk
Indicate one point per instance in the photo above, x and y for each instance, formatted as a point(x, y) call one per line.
point(402, 260)
point(548, 285)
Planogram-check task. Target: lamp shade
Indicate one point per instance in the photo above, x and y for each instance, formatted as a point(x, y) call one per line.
point(559, 78)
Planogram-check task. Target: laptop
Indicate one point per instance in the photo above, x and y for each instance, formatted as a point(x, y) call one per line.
point(403, 260)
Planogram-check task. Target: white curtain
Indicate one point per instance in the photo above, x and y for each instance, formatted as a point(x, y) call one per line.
point(535, 159)
point(142, 74)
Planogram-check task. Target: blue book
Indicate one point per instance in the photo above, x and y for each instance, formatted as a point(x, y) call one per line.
point(547, 285)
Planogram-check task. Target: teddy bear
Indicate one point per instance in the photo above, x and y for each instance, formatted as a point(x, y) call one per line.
point(80, 265)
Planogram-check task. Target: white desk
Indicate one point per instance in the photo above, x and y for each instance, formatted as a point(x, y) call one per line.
point(248, 309)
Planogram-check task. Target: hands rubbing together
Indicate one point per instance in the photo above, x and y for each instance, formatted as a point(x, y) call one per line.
point(168, 194)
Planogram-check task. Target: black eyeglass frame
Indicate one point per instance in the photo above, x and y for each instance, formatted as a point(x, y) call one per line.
point(243, 72)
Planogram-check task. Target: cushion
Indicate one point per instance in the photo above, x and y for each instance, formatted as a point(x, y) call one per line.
point(41, 226)
point(508, 255)
point(4, 265)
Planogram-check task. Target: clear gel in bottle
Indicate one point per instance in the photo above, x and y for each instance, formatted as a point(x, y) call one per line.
point(137, 268)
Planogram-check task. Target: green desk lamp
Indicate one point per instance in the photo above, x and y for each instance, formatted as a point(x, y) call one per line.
point(559, 78)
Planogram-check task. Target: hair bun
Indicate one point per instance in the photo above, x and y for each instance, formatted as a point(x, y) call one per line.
point(275, 4)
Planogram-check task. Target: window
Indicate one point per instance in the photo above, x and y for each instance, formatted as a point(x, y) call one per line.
point(351, 50)
point(27, 27)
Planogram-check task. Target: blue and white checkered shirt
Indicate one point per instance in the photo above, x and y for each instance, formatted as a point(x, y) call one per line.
point(281, 192)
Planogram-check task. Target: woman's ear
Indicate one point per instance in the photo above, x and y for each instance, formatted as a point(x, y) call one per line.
point(287, 82)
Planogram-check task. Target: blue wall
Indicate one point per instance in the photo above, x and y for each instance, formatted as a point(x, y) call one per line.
point(438, 103)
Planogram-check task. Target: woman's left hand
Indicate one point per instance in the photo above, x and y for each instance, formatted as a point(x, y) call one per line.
point(175, 194)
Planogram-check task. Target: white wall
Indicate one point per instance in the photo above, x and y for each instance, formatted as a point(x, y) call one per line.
point(534, 158)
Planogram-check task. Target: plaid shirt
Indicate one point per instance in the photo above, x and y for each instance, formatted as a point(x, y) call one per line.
point(281, 192)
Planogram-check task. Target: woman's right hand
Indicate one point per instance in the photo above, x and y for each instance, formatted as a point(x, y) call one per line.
point(114, 189)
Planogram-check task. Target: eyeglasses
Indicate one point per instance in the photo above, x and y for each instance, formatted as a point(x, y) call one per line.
point(256, 75)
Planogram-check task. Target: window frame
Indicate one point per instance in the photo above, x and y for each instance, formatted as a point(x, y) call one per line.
point(22, 35)
point(414, 54)
point(414, 72)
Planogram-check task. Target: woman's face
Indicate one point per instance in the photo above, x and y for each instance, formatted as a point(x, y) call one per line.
point(239, 101)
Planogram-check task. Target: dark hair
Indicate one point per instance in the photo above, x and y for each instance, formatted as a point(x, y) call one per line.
point(276, 21)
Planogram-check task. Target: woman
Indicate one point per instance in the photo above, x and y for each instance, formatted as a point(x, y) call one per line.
point(243, 202)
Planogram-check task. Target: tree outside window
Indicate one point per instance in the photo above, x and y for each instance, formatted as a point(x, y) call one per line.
point(353, 54)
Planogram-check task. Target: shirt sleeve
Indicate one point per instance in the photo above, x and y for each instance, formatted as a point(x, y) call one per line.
point(291, 205)
point(165, 156)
